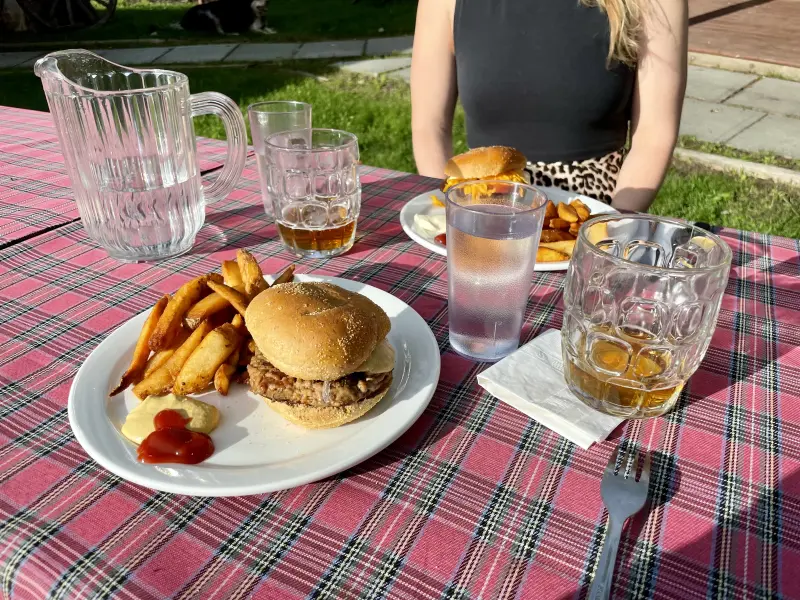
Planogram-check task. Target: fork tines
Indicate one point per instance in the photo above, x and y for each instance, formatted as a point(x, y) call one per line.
point(629, 464)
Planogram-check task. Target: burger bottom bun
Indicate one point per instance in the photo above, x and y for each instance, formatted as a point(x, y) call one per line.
point(324, 417)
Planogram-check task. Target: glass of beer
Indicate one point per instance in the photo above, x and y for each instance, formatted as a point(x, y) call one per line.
point(315, 191)
point(641, 300)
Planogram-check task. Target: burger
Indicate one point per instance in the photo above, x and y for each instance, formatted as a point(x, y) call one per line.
point(321, 358)
point(492, 162)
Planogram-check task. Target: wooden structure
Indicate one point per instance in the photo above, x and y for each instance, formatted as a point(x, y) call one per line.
point(762, 30)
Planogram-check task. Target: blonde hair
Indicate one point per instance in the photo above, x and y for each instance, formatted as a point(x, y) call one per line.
point(625, 18)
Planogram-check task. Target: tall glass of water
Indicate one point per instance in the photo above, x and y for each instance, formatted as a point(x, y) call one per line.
point(315, 191)
point(268, 118)
point(493, 230)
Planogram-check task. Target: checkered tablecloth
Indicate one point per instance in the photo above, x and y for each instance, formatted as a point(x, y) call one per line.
point(35, 192)
point(474, 501)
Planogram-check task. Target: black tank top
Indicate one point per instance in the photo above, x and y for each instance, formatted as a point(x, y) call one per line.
point(532, 74)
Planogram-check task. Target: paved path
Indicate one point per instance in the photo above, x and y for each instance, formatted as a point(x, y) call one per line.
point(742, 110)
point(232, 53)
point(745, 111)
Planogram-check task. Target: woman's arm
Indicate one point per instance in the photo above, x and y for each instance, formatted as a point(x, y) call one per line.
point(657, 103)
point(433, 86)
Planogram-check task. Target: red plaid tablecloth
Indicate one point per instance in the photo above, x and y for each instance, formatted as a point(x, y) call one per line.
point(35, 192)
point(474, 501)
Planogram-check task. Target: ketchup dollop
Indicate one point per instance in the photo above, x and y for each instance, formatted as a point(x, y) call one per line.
point(441, 239)
point(171, 442)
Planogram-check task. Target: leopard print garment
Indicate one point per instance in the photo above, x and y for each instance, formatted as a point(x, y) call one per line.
point(595, 177)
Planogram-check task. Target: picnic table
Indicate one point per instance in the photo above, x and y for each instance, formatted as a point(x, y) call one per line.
point(474, 501)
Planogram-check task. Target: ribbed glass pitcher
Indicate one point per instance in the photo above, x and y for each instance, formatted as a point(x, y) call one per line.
point(129, 147)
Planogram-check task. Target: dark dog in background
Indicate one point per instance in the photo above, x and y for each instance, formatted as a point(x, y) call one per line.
point(228, 17)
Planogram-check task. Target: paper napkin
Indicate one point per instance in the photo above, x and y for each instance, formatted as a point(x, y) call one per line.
point(532, 381)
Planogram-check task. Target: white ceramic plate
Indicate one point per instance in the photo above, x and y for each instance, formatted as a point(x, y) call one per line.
point(257, 451)
point(422, 205)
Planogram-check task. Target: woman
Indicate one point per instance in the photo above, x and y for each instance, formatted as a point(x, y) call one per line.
point(562, 81)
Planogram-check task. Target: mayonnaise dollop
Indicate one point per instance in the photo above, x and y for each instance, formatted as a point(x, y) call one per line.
point(139, 422)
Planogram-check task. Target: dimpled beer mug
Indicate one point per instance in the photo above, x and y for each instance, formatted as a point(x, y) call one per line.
point(315, 191)
point(641, 300)
point(129, 147)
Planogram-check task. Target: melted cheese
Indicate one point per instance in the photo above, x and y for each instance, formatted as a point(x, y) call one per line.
point(481, 189)
point(139, 422)
point(380, 361)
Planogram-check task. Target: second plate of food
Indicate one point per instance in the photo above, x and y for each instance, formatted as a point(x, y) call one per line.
point(255, 449)
point(423, 220)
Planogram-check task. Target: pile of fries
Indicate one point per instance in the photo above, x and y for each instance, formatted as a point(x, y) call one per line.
point(560, 230)
point(198, 336)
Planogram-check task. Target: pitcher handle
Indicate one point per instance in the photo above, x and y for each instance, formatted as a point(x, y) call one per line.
point(212, 103)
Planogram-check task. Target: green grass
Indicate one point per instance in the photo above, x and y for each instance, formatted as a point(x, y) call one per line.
point(730, 199)
point(378, 111)
point(295, 21)
point(766, 158)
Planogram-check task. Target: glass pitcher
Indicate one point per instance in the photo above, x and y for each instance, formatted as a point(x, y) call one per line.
point(129, 147)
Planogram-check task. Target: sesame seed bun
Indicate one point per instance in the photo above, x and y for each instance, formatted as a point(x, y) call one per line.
point(482, 163)
point(324, 417)
point(315, 331)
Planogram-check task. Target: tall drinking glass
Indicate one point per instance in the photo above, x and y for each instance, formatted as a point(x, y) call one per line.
point(268, 118)
point(641, 300)
point(493, 230)
point(315, 192)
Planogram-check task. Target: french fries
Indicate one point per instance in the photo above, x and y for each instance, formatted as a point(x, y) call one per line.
point(211, 304)
point(558, 224)
point(236, 298)
point(172, 318)
point(565, 246)
point(226, 371)
point(222, 378)
point(554, 235)
point(162, 356)
point(161, 381)
point(231, 275)
point(581, 209)
point(561, 225)
point(142, 350)
point(567, 213)
point(251, 273)
point(238, 322)
point(198, 335)
point(286, 276)
point(199, 369)
point(549, 255)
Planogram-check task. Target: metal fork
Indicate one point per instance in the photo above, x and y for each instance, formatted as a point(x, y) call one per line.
point(623, 497)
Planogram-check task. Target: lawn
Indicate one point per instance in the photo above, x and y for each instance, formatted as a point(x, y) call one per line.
point(378, 111)
point(294, 20)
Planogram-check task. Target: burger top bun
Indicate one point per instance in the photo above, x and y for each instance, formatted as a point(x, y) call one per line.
point(315, 331)
point(482, 163)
